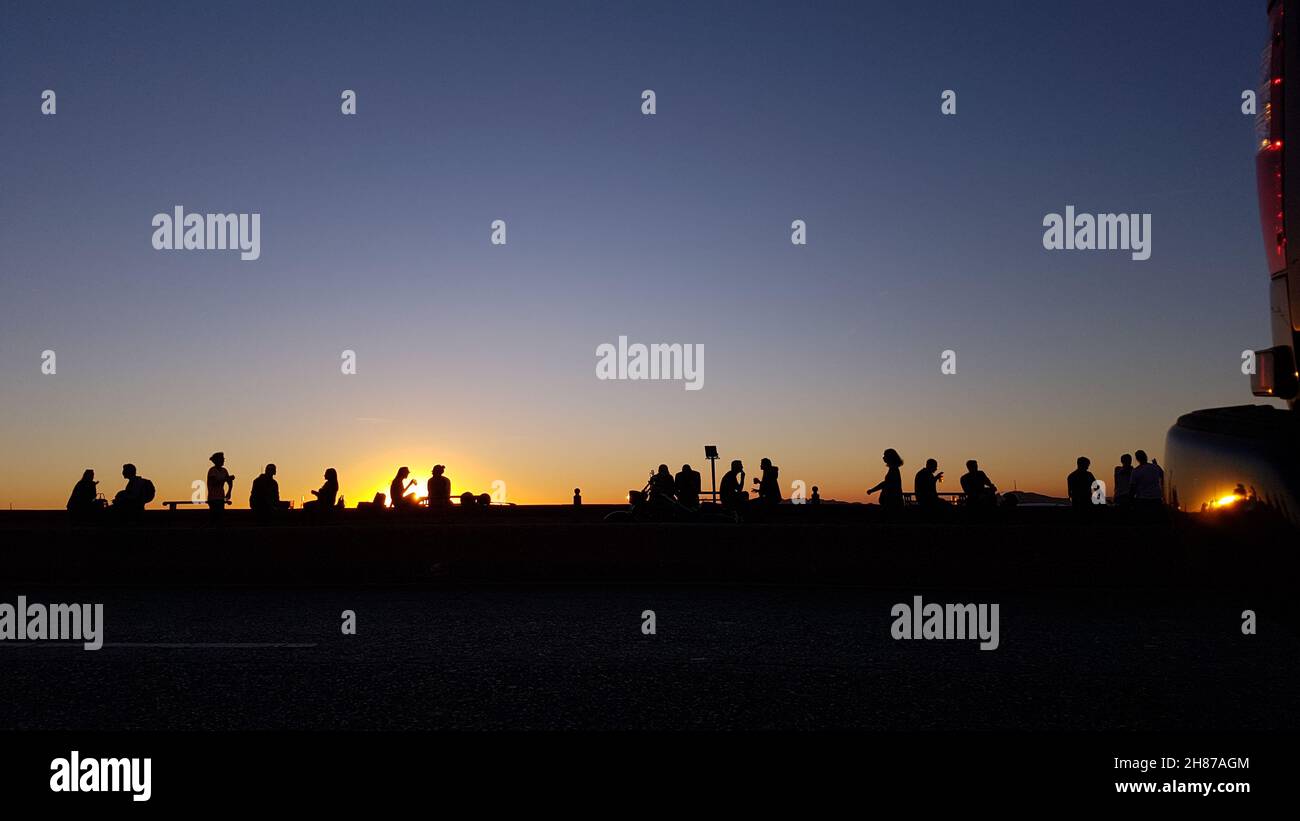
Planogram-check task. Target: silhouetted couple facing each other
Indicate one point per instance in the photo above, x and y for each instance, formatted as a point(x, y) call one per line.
point(438, 489)
point(731, 490)
point(129, 503)
point(264, 497)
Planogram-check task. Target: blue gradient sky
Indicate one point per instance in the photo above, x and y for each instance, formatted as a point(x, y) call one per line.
point(924, 234)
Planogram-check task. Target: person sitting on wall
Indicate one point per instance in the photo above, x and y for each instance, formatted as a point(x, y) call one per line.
point(325, 497)
point(264, 496)
point(730, 490)
point(83, 504)
point(687, 484)
point(439, 490)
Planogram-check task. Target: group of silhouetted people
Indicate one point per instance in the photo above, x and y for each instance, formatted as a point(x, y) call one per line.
point(264, 497)
point(978, 491)
point(684, 488)
point(1140, 487)
point(682, 491)
point(733, 496)
point(1137, 486)
point(664, 489)
point(264, 494)
point(438, 492)
point(86, 504)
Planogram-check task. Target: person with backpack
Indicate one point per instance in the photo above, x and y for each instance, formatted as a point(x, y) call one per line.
point(130, 501)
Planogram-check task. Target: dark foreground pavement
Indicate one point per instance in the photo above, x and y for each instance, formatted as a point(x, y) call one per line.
point(721, 658)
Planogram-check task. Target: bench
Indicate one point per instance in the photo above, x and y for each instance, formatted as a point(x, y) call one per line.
point(955, 498)
point(173, 503)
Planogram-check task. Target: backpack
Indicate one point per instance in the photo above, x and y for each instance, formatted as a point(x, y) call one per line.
point(146, 490)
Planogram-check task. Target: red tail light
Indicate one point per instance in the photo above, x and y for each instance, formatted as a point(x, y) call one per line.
point(1268, 163)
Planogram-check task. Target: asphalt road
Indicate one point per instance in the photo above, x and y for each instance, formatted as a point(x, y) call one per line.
point(721, 658)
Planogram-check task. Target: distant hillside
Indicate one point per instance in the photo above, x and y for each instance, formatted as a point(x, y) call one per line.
point(1027, 498)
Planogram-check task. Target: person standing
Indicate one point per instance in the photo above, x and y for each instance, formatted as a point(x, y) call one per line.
point(221, 483)
point(1079, 484)
point(891, 487)
point(1123, 481)
point(1147, 484)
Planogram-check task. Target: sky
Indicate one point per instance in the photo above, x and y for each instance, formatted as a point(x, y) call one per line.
point(924, 234)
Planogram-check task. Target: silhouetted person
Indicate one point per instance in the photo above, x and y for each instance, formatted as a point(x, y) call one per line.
point(264, 496)
point(130, 501)
point(325, 497)
point(731, 491)
point(662, 487)
point(1124, 481)
point(891, 487)
point(1147, 483)
point(980, 492)
point(439, 489)
point(1078, 484)
point(816, 497)
point(220, 484)
point(82, 503)
point(397, 490)
point(925, 487)
point(577, 497)
point(467, 500)
point(769, 488)
point(687, 483)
